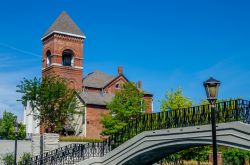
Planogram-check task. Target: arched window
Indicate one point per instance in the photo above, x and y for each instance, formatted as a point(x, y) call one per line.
point(67, 58)
point(48, 57)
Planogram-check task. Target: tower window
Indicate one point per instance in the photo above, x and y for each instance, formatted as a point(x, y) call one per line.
point(48, 54)
point(67, 58)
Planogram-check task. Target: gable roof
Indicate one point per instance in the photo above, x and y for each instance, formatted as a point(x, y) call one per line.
point(97, 79)
point(117, 77)
point(64, 25)
point(96, 98)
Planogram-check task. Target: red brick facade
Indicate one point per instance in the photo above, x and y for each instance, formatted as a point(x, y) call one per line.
point(56, 44)
point(94, 125)
point(148, 100)
point(115, 85)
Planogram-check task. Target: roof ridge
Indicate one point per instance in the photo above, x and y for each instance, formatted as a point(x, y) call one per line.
point(97, 79)
point(64, 24)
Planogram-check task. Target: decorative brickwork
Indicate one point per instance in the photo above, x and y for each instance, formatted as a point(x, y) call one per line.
point(56, 44)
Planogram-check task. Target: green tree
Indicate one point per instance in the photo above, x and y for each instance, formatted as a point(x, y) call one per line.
point(7, 125)
point(234, 156)
point(175, 100)
point(51, 100)
point(173, 158)
point(196, 153)
point(126, 105)
point(29, 90)
point(21, 131)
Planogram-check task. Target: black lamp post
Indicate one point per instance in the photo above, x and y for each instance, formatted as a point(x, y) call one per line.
point(212, 87)
point(16, 132)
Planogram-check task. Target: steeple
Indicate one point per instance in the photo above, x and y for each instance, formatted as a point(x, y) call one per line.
point(64, 25)
point(63, 47)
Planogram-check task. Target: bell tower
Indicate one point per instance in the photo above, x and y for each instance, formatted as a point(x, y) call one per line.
point(62, 52)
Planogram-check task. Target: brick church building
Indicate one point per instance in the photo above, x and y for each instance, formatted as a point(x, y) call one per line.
point(62, 54)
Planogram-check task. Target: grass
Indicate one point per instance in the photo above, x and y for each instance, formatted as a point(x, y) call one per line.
point(77, 139)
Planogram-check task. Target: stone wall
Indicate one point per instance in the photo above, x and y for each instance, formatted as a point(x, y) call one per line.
point(7, 146)
point(35, 144)
point(50, 142)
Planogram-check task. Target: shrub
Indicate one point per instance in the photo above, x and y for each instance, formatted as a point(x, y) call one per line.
point(234, 156)
point(25, 159)
point(77, 139)
point(8, 159)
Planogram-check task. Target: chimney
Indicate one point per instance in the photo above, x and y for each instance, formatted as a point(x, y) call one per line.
point(120, 70)
point(139, 84)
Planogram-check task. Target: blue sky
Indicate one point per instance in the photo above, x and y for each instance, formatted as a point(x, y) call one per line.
point(165, 44)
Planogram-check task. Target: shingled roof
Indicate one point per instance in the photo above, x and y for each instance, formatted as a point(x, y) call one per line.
point(97, 79)
point(96, 98)
point(64, 25)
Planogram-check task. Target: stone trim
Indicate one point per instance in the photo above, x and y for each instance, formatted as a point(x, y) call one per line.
point(78, 67)
point(61, 66)
point(55, 64)
point(78, 58)
point(64, 33)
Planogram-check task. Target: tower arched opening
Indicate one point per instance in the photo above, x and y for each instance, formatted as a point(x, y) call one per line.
point(48, 57)
point(68, 57)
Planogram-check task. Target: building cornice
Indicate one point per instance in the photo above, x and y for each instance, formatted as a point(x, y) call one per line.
point(64, 33)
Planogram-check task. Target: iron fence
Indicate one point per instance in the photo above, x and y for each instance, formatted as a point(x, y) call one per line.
point(227, 111)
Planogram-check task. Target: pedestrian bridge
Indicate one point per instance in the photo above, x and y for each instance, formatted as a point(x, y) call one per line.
point(150, 137)
point(151, 146)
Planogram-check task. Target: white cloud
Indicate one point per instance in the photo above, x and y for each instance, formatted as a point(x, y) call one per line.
point(15, 65)
point(19, 50)
point(8, 94)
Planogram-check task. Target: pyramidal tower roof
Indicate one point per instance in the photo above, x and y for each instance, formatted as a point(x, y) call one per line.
point(64, 25)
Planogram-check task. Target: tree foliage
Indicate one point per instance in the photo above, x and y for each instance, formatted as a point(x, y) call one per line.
point(52, 102)
point(196, 153)
point(234, 156)
point(7, 127)
point(175, 100)
point(126, 105)
point(29, 90)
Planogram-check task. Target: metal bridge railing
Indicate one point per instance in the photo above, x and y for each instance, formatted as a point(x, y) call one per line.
point(228, 111)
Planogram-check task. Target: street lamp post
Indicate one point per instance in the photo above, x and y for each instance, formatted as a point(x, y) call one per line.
point(212, 87)
point(16, 132)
